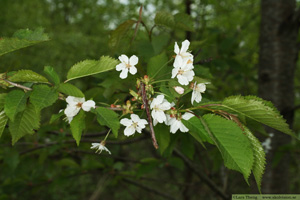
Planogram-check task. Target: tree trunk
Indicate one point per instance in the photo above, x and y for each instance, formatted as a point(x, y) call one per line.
point(278, 56)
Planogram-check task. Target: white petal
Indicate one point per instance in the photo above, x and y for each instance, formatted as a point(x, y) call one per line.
point(179, 90)
point(159, 116)
point(74, 100)
point(139, 129)
point(198, 97)
point(175, 126)
point(71, 111)
point(95, 145)
point(160, 98)
point(124, 73)
point(185, 45)
point(126, 122)
point(133, 60)
point(187, 116)
point(174, 72)
point(120, 66)
point(182, 80)
point(135, 118)
point(132, 70)
point(189, 75)
point(129, 131)
point(201, 87)
point(155, 122)
point(183, 128)
point(124, 59)
point(178, 62)
point(165, 106)
point(193, 96)
point(86, 106)
point(142, 122)
point(176, 48)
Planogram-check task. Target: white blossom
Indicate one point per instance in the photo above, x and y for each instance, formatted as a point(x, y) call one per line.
point(183, 70)
point(183, 52)
point(133, 124)
point(197, 90)
point(158, 106)
point(175, 122)
point(75, 104)
point(178, 89)
point(99, 147)
point(127, 64)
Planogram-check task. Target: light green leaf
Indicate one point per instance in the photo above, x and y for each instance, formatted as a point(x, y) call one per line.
point(259, 157)
point(162, 134)
point(234, 146)
point(109, 118)
point(43, 96)
point(184, 22)
point(15, 102)
point(25, 123)
point(3, 121)
point(157, 66)
point(164, 19)
point(52, 75)
point(70, 90)
point(91, 67)
point(27, 76)
point(2, 100)
point(121, 32)
point(22, 38)
point(256, 109)
point(77, 126)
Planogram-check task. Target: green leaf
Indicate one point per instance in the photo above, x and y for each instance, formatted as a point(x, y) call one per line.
point(70, 90)
point(157, 65)
point(52, 75)
point(43, 96)
point(197, 130)
point(27, 76)
point(91, 67)
point(21, 39)
point(109, 118)
point(256, 109)
point(55, 117)
point(121, 32)
point(15, 102)
point(162, 134)
point(25, 123)
point(259, 162)
point(234, 146)
point(164, 19)
point(187, 145)
point(2, 100)
point(184, 22)
point(3, 121)
point(77, 126)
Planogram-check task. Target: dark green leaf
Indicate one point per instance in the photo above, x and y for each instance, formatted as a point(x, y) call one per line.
point(15, 102)
point(77, 126)
point(108, 118)
point(3, 121)
point(43, 96)
point(164, 19)
point(52, 75)
point(27, 76)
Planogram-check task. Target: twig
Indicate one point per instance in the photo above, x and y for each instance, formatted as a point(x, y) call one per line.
point(137, 24)
point(17, 85)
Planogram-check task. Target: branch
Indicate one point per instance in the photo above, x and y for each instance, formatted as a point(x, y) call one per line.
point(17, 85)
point(202, 176)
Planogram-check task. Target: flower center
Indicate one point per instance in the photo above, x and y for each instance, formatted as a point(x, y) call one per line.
point(135, 124)
point(128, 65)
point(189, 61)
point(79, 105)
point(180, 72)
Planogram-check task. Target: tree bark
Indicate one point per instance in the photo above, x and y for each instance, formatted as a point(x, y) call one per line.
point(277, 62)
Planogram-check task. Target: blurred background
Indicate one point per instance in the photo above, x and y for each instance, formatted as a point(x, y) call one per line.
point(247, 47)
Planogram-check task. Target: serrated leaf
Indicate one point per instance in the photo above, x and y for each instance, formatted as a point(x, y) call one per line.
point(70, 90)
point(2, 100)
point(15, 102)
point(162, 134)
point(21, 39)
point(52, 75)
point(184, 22)
point(91, 67)
point(234, 146)
point(122, 31)
point(3, 121)
point(25, 123)
point(43, 96)
point(108, 118)
point(157, 66)
point(164, 19)
point(77, 126)
point(259, 156)
point(27, 76)
point(258, 110)
point(197, 130)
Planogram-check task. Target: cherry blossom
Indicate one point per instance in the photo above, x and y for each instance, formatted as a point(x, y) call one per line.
point(197, 90)
point(183, 52)
point(158, 106)
point(176, 124)
point(127, 65)
point(183, 70)
point(133, 124)
point(100, 147)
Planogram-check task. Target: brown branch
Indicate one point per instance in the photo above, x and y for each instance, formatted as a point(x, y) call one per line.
point(17, 85)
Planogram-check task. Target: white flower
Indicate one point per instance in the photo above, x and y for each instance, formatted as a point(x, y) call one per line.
point(197, 90)
point(133, 124)
point(183, 69)
point(158, 106)
point(99, 147)
point(75, 104)
point(183, 52)
point(175, 123)
point(127, 65)
point(179, 89)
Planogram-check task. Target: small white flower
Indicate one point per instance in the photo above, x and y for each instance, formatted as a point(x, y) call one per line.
point(99, 147)
point(158, 106)
point(133, 124)
point(75, 104)
point(127, 65)
point(183, 52)
point(183, 69)
point(175, 122)
point(179, 90)
point(197, 90)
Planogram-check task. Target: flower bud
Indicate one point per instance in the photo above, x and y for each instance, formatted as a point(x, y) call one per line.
point(178, 89)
